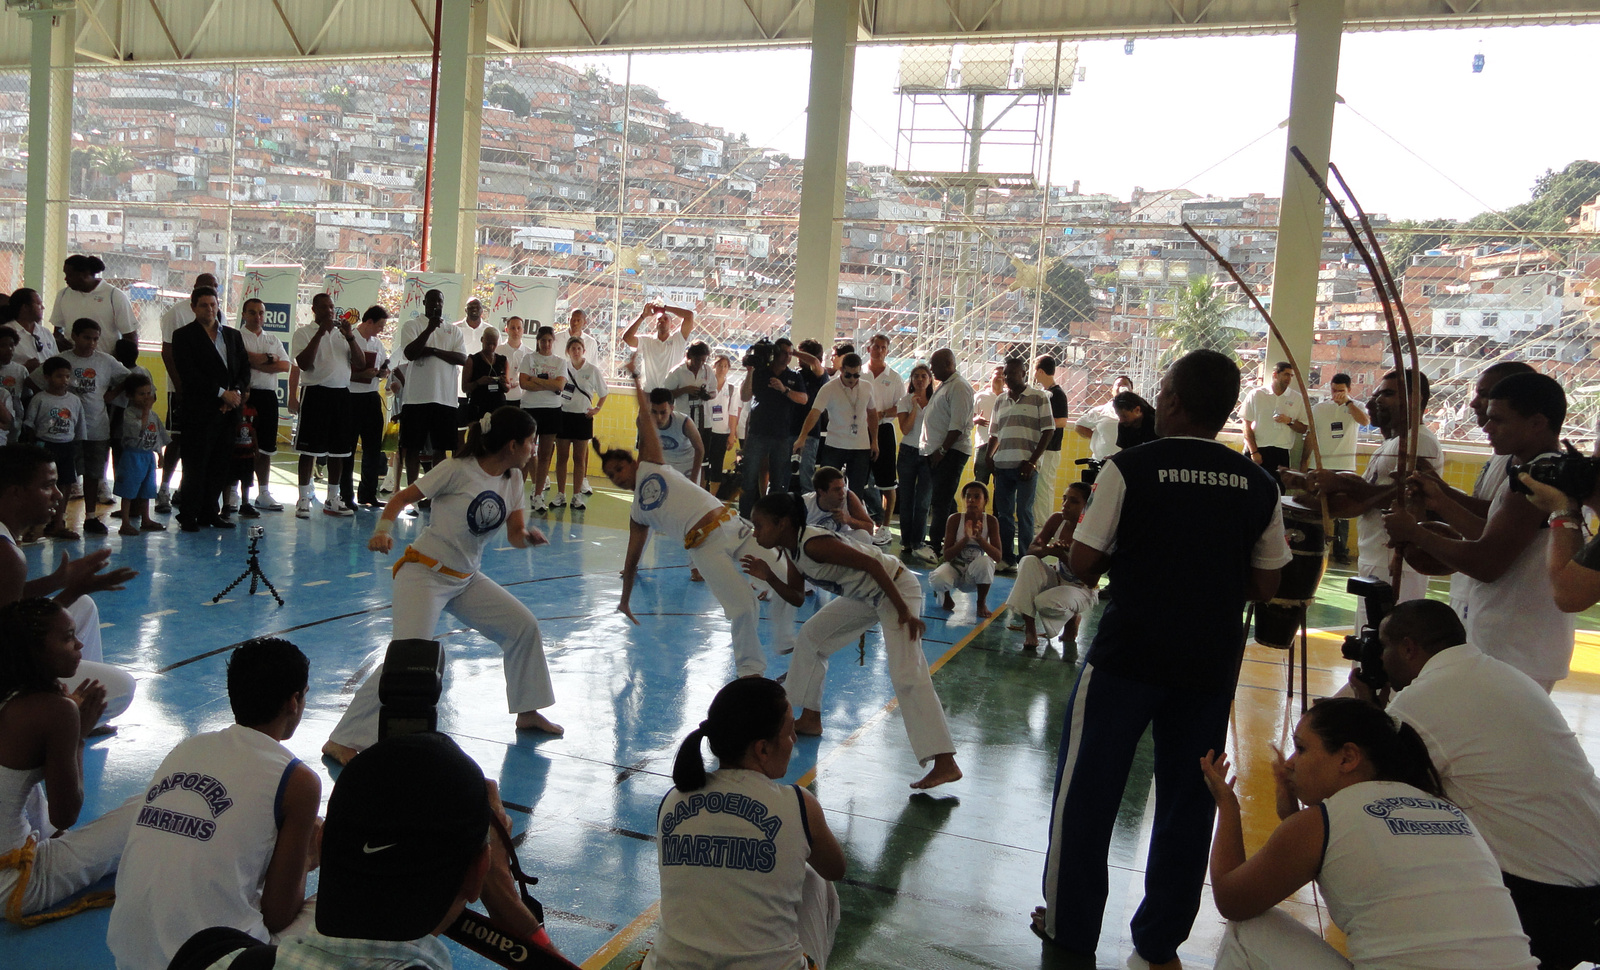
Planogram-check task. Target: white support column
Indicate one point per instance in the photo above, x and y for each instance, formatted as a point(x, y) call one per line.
point(49, 146)
point(822, 187)
point(1319, 27)
point(452, 243)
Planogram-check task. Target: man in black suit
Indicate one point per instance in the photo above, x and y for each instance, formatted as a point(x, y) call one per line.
point(214, 370)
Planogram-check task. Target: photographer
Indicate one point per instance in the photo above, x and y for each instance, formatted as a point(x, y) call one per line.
point(773, 392)
point(1508, 759)
point(1573, 565)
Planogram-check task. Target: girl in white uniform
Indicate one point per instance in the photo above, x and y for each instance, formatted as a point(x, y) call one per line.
point(665, 501)
point(971, 545)
point(42, 727)
point(1046, 595)
point(542, 375)
point(1404, 872)
point(870, 588)
point(473, 495)
point(768, 902)
point(585, 392)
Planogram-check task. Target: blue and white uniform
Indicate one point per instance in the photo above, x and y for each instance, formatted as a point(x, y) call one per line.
point(823, 518)
point(973, 567)
point(676, 447)
point(469, 507)
point(1049, 593)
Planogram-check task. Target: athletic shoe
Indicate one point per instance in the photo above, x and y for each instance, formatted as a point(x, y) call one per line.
point(77, 490)
point(231, 502)
point(106, 498)
point(577, 503)
point(882, 536)
point(559, 502)
point(1006, 569)
point(164, 500)
point(94, 526)
point(587, 489)
point(924, 554)
point(248, 511)
point(539, 504)
point(266, 503)
point(302, 509)
point(337, 508)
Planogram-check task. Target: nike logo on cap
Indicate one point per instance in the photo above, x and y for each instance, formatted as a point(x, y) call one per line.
point(369, 848)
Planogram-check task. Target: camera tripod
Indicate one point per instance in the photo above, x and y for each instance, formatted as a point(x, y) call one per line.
point(253, 572)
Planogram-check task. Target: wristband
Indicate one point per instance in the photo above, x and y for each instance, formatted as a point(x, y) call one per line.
point(1564, 521)
point(383, 528)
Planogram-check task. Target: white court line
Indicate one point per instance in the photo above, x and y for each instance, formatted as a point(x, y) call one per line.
point(149, 616)
point(356, 575)
point(217, 603)
point(317, 582)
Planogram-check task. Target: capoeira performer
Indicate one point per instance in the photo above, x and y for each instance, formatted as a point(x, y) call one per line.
point(1049, 595)
point(971, 546)
point(666, 502)
point(870, 588)
point(833, 506)
point(473, 494)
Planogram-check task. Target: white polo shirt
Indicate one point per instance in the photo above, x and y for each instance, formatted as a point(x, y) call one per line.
point(430, 380)
point(1262, 406)
point(265, 342)
point(846, 408)
point(331, 365)
point(949, 409)
point(887, 389)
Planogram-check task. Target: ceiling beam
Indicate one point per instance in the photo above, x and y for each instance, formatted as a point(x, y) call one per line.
point(172, 42)
point(284, 18)
point(327, 24)
point(199, 31)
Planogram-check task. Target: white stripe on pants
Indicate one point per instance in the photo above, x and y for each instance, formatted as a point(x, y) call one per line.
point(80, 858)
point(1275, 941)
point(965, 577)
point(420, 596)
point(717, 558)
point(839, 624)
point(1041, 593)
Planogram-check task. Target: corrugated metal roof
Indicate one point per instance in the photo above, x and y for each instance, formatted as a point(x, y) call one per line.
point(168, 31)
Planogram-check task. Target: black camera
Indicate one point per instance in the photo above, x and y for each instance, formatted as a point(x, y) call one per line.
point(1364, 647)
point(1574, 473)
point(761, 354)
point(408, 691)
point(1091, 469)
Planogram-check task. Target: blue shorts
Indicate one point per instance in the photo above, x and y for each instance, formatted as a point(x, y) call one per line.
point(136, 475)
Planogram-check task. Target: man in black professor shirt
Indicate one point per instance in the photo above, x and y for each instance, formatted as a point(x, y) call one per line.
point(1187, 529)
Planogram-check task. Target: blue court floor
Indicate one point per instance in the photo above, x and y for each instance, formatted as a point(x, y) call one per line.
point(935, 880)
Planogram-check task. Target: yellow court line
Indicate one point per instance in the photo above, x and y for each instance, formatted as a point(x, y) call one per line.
point(628, 934)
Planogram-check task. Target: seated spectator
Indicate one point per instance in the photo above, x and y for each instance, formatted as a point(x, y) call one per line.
point(42, 727)
point(833, 506)
point(715, 909)
point(1405, 873)
point(1507, 757)
point(1050, 595)
point(408, 843)
point(971, 549)
point(227, 829)
point(28, 493)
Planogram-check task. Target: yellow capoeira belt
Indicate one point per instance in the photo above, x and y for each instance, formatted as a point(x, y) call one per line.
point(412, 555)
point(698, 534)
point(21, 859)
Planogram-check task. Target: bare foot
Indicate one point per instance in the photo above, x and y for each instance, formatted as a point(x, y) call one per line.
point(152, 526)
point(1030, 647)
point(983, 610)
point(339, 752)
point(948, 603)
point(944, 770)
point(809, 723)
point(695, 577)
point(534, 721)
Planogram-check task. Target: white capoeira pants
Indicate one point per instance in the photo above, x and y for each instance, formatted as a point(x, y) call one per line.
point(819, 917)
point(839, 624)
point(119, 684)
point(79, 858)
point(717, 557)
point(420, 596)
point(1276, 941)
point(965, 576)
point(1041, 593)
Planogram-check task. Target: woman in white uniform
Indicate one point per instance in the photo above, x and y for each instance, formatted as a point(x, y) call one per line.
point(473, 495)
point(42, 727)
point(769, 901)
point(971, 546)
point(665, 501)
point(1048, 595)
point(542, 375)
point(870, 588)
point(1404, 872)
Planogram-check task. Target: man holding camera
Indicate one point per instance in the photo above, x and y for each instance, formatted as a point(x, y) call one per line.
point(1510, 610)
point(772, 392)
point(1509, 759)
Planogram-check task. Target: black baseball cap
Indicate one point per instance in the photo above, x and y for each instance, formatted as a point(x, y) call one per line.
point(407, 817)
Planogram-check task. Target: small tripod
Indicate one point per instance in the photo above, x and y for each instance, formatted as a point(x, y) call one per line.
point(253, 571)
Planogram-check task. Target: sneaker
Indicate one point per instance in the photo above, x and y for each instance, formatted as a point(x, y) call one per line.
point(1006, 569)
point(882, 536)
point(539, 504)
point(77, 490)
point(266, 503)
point(302, 509)
point(577, 502)
point(106, 498)
point(924, 554)
point(337, 508)
point(164, 501)
point(232, 500)
point(94, 526)
point(587, 489)
point(248, 511)
point(559, 502)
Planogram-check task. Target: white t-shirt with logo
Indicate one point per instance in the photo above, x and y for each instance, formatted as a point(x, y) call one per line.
point(430, 380)
point(265, 342)
point(544, 367)
point(846, 408)
point(469, 506)
point(331, 365)
point(514, 358)
point(1337, 430)
point(91, 376)
point(887, 389)
point(667, 502)
point(104, 304)
point(374, 347)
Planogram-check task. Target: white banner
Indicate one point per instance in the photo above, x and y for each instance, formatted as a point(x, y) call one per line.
point(533, 298)
point(417, 284)
point(278, 286)
point(353, 290)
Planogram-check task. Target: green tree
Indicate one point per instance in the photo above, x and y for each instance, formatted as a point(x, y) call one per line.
point(1199, 324)
point(505, 96)
point(339, 96)
point(110, 162)
point(1066, 299)
point(1398, 249)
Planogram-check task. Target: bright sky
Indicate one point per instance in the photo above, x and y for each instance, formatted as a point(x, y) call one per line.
point(1202, 114)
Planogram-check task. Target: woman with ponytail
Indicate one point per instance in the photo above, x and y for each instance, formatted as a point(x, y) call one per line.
point(1404, 872)
point(763, 896)
point(473, 494)
point(871, 588)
